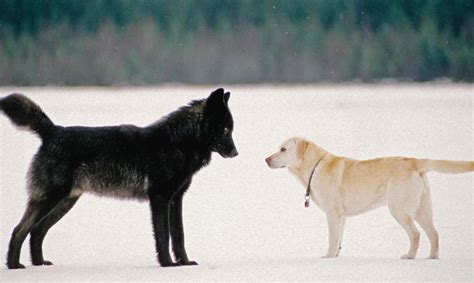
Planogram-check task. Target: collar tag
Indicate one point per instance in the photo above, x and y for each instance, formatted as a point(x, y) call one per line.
point(306, 201)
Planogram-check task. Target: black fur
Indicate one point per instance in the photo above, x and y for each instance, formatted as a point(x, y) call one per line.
point(154, 163)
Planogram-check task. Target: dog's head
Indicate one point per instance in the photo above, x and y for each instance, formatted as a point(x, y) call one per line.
point(220, 123)
point(289, 154)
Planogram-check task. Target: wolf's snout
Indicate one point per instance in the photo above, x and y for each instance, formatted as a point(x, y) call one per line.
point(233, 153)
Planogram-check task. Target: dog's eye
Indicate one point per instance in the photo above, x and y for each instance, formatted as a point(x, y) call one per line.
point(282, 149)
point(226, 130)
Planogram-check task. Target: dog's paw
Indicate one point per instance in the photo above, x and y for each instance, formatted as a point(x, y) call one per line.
point(15, 266)
point(433, 257)
point(328, 256)
point(407, 256)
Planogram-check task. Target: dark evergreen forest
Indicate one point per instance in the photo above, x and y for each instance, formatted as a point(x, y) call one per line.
point(140, 42)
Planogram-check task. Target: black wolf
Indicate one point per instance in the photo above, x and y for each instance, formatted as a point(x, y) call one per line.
point(154, 163)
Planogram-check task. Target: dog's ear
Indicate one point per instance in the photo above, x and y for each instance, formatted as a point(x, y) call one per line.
point(303, 147)
point(217, 98)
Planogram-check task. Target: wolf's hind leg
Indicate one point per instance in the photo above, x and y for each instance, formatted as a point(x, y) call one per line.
point(34, 212)
point(38, 232)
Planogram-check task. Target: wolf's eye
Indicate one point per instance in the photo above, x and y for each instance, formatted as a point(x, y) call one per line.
point(283, 149)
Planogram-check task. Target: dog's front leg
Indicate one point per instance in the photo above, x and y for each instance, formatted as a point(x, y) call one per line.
point(160, 207)
point(335, 223)
point(341, 232)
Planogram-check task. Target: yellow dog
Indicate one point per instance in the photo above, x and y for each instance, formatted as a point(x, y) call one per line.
point(344, 187)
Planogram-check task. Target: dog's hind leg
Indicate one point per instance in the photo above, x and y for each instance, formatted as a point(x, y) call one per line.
point(39, 231)
point(424, 217)
point(35, 211)
point(176, 227)
point(406, 221)
point(413, 233)
point(403, 197)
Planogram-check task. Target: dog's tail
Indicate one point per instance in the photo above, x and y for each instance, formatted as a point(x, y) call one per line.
point(444, 166)
point(26, 114)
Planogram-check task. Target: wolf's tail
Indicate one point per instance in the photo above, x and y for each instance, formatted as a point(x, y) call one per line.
point(444, 166)
point(26, 114)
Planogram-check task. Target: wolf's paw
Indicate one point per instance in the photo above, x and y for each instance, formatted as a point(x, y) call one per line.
point(44, 262)
point(188, 262)
point(169, 264)
point(15, 266)
point(407, 256)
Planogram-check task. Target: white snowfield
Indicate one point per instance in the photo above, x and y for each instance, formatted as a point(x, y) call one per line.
point(244, 221)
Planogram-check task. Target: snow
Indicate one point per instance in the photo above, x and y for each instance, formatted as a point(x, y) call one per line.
point(244, 221)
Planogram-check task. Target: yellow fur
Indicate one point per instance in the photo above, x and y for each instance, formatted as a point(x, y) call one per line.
point(344, 187)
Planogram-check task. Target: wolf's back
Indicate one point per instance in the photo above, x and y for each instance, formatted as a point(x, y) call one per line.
point(26, 114)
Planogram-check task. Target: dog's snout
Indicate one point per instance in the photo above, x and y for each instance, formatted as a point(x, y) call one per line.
point(268, 160)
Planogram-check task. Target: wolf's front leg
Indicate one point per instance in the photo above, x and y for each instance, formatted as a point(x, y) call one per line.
point(177, 230)
point(160, 207)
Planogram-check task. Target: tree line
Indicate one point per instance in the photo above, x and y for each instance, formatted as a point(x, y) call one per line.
point(110, 42)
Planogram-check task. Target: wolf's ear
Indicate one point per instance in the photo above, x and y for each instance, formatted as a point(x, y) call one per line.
point(217, 97)
point(226, 97)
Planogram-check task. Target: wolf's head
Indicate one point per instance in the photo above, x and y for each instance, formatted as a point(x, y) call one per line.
point(219, 123)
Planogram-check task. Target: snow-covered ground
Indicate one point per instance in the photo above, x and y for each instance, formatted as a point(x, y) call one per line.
point(244, 221)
